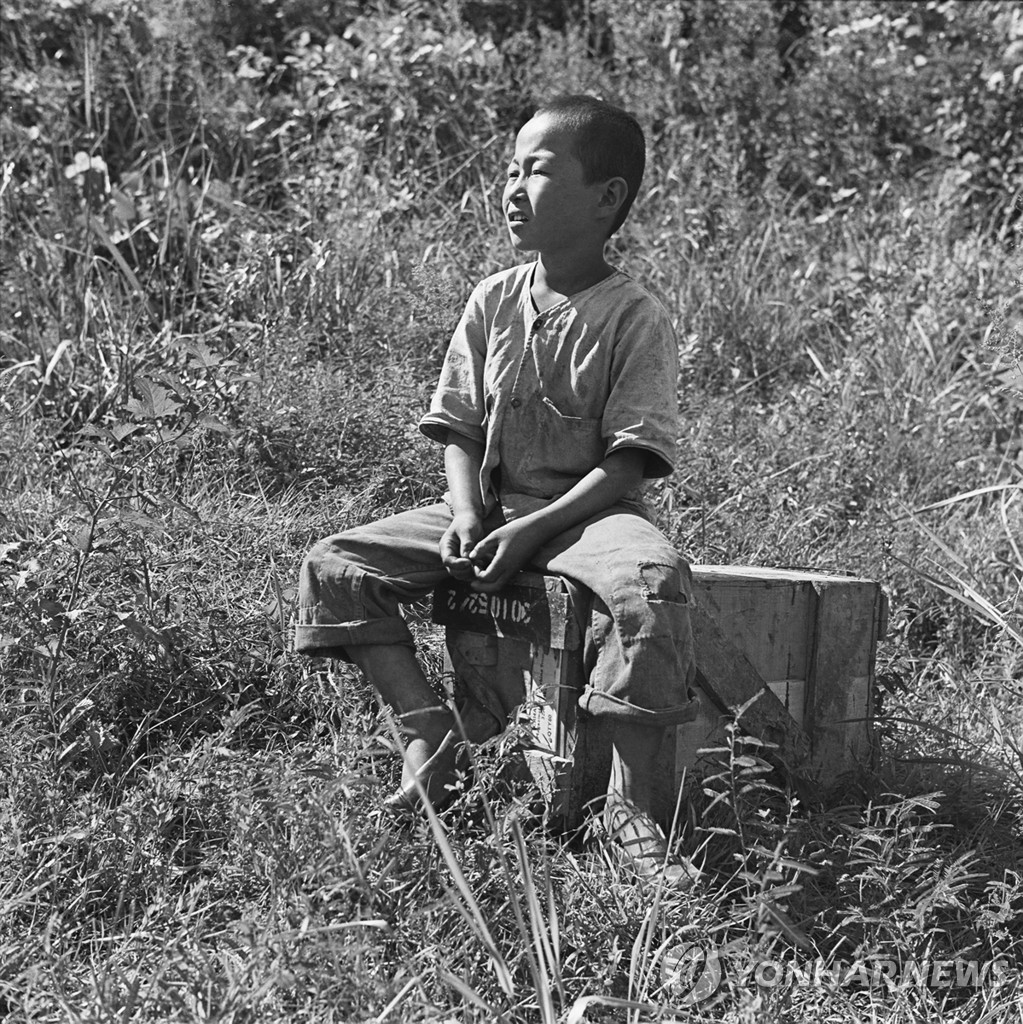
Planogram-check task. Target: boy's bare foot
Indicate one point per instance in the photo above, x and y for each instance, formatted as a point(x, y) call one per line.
point(398, 678)
point(627, 810)
point(644, 848)
point(433, 757)
point(423, 731)
point(435, 773)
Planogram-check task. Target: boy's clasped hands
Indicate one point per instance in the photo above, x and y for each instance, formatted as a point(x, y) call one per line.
point(489, 560)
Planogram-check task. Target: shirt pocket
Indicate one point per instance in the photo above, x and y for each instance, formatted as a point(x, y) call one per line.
point(575, 425)
point(564, 448)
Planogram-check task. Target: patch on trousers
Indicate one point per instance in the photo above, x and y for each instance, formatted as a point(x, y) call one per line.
point(662, 582)
point(660, 608)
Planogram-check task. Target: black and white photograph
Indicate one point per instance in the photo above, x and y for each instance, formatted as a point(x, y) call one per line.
point(511, 511)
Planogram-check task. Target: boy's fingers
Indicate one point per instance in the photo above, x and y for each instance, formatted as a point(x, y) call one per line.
point(492, 577)
point(481, 554)
point(453, 544)
point(459, 568)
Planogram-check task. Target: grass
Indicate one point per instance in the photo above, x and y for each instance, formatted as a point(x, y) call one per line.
point(218, 331)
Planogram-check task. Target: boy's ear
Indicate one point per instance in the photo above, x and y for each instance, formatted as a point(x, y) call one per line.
point(612, 196)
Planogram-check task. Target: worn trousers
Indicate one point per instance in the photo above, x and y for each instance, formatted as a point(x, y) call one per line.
point(638, 649)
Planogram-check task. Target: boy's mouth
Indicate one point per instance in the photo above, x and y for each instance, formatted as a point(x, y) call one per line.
point(516, 218)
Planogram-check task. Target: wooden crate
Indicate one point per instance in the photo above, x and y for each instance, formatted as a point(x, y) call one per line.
point(812, 639)
point(521, 649)
point(808, 638)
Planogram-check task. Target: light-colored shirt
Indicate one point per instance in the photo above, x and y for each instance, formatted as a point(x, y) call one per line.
point(550, 394)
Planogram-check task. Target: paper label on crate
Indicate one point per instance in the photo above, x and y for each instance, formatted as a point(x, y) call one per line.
point(541, 716)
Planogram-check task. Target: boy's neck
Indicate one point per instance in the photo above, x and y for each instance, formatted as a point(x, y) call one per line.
point(556, 279)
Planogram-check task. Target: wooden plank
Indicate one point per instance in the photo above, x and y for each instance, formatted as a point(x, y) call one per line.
point(716, 574)
point(767, 615)
point(839, 685)
point(571, 760)
point(729, 679)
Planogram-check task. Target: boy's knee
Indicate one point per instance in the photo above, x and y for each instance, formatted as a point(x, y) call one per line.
point(657, 573)
point(327, 561)
point(319, 555)
point(651, 596)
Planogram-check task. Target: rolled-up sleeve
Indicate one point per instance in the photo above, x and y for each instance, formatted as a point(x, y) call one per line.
point(642, 407)
point(458, 403)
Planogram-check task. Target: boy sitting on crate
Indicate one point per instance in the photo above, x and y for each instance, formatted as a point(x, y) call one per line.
point(556, 402)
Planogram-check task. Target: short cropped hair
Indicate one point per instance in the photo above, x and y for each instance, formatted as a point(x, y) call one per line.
point(609, 143)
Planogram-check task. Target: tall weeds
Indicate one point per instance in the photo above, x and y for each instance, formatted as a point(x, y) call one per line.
point(235, 241)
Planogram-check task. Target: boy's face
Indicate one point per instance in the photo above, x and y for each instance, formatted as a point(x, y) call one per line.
point(548, 206)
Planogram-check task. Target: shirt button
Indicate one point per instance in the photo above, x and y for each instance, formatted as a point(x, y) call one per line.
point(516, 402)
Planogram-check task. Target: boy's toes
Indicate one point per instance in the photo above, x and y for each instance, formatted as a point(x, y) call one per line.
point(437, 777)
point(676, 873)
point(643, 848)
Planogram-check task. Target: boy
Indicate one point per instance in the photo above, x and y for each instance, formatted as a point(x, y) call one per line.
point(556, 401)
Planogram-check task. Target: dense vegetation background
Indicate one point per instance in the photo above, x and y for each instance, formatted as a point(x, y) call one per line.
point(235, 239)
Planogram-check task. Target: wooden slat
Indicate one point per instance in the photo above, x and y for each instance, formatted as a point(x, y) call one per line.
point(572, 764)
point(839, 699)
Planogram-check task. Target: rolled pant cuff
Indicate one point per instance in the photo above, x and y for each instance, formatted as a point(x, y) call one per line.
point(597, 703)
point(331, 639)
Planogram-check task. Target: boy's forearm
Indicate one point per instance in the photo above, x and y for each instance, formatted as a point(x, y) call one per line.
point(604, 486)
point(463, 459)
